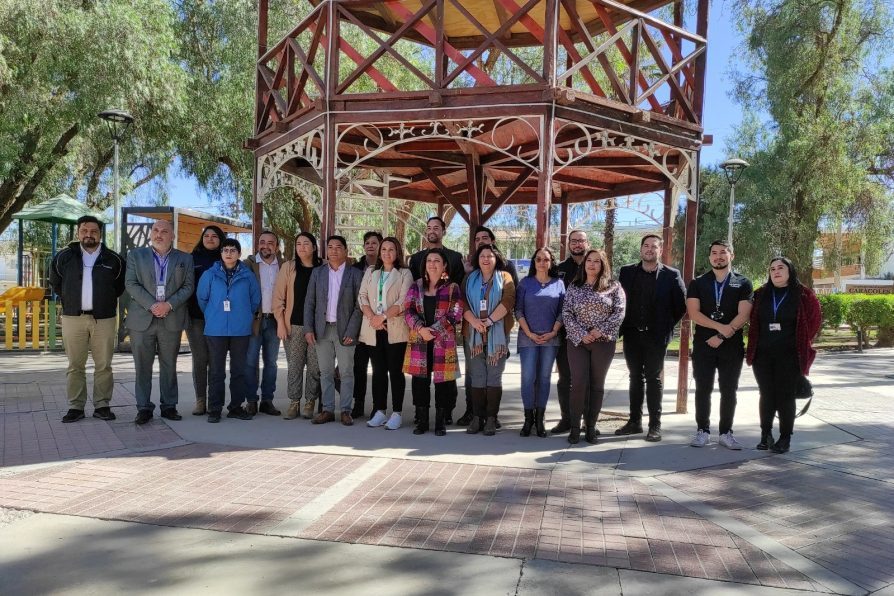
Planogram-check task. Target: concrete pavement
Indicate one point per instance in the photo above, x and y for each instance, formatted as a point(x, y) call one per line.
point(275, 506)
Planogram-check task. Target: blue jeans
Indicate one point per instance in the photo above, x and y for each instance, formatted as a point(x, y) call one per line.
point(265, 341)
point(536, 374)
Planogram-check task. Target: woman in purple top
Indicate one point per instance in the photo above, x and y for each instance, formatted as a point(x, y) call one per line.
point(538, 309)
point(592, 315)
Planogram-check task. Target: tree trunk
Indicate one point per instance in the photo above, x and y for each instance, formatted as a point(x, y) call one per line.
point(608, 235)
point(885, 337)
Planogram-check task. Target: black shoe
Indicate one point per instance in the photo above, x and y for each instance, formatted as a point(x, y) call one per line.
point(143, 416)
point(448, 417)
point(267, 407)
point(74, 415)
point(490, 426)
point(528, 425)
point(539, 413)
point(465, 419)
point(171, 414)
point(654, 435)
point(239, 414)
point(357, 410)
point(631, 428)
point(105, 413)
point(562, 427)
point(766, 443)
point(574, 435)
point(214, 417)
point(475, 425)
point(421, 421)
point(782, 445)
point(592, 436)
point(497, 423)
point(440, 423)
point(251, 407)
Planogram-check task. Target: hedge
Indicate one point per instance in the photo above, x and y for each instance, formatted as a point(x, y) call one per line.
point(859, 311)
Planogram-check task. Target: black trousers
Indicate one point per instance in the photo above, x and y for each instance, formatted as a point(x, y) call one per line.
point(361, 367)
point(645, 361)
point(589, 364)
point(445, 393)
point(726, 360)
point(218, 348)
point(563, 386)
point(387, 362)
point(776, 375)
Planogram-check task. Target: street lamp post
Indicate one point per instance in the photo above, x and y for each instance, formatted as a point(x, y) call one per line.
point(733, 168)
point(118, 122)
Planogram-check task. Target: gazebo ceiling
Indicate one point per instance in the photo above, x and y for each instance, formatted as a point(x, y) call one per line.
point(388, 17)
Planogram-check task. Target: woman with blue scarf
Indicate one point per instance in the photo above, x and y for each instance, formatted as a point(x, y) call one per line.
point(489, 301)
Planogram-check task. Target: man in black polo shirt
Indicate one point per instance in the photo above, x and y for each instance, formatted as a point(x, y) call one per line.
point(656, 301)
point(719, 303)
point(435, 230)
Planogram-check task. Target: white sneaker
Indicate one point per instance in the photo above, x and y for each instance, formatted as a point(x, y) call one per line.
point(730, 442)
point(378, 419)
point(393, 422)
point(700, 439)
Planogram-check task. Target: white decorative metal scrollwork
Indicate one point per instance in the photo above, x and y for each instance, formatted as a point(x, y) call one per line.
point(306, 148)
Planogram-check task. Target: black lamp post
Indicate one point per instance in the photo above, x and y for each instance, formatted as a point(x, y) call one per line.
point(118, 122)
point(733, 168)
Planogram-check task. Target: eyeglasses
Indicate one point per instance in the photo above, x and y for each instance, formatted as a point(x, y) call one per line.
point(227, 251)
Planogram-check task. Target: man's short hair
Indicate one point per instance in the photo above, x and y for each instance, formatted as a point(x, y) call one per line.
point(231, 242)
point(723, 243)
point(647, 236)
point(89, 219)
point(371, 234)
point(490, 233)
point(271, 233)
point(438, 219)
point(337, 238)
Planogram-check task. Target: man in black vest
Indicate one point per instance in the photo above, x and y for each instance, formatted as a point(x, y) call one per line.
point(89, 278)
point(719, 303)
point(656, 301)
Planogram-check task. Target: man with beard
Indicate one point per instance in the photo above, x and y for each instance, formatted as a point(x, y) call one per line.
point(656, 301)
point(89, 278)
point(435, 229)
point(719, 303)
point(265, 266)
point(485, 236)
point(577, 248)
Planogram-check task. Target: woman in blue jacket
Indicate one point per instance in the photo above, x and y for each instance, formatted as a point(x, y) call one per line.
point(229, 295)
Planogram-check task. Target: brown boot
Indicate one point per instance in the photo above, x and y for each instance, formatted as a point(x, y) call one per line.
point(201, 406)
point(292, 412)
point(309, 410)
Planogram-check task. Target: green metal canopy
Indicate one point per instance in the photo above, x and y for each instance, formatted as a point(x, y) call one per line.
point(61, 209)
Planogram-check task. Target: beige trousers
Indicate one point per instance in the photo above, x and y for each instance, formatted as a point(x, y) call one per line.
point(81, 335)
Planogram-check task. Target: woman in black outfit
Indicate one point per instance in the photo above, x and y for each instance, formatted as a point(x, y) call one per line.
point(785, 319)
point(204, 255)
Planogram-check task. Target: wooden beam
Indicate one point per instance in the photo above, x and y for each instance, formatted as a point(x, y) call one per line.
point(506, 195)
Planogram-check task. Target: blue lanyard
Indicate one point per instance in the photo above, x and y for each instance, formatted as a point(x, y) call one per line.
point(776, 304)
point(718, 290)
point(162, 265)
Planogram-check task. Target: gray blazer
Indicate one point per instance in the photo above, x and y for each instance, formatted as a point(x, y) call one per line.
point(348, 315)
point(139, 282)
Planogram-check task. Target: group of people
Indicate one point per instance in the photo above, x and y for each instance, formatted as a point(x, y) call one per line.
point(414, 317)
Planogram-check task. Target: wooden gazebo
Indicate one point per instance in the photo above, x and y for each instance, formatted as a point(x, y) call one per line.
point(611, 106)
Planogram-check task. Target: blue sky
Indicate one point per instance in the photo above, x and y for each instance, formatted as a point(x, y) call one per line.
point(721, 113)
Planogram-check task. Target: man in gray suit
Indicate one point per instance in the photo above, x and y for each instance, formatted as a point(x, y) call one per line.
point(331, 308)
point(159, 280)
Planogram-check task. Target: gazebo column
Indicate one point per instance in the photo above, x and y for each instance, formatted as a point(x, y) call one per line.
point(667, 231)
point(688, 273)
point(257, 208)
point(563, 235)
point(545, 181)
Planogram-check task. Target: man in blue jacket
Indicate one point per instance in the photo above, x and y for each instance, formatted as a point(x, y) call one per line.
point(656, 301)
point(229, 295)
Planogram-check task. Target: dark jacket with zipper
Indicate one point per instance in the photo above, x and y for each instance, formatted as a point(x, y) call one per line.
point(66, 276)
point(670, 300)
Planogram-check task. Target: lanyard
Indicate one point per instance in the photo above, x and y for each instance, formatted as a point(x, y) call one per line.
point(718, 291)
point(776, 304)
point(162, 265)
point(485, 287)
point(383, 277)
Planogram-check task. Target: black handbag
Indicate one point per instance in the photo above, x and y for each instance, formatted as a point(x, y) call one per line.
point(803, 390)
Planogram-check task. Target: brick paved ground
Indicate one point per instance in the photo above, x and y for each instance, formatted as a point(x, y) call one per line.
point(826, 512)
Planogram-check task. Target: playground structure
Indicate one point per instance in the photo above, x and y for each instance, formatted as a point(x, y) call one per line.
point(611, 106)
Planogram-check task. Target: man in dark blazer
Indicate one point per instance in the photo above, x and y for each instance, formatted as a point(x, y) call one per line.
point(656, 301)
point(333, 315)
point(160, 280)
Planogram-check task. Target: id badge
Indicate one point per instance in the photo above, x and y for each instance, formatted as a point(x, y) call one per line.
point(482, 306)
point(380, 309)
point(775, 327)
point(226, 304)
point(159, 293)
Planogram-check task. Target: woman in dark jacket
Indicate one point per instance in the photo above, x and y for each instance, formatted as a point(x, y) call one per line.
point(785, 319)
point(204, 255)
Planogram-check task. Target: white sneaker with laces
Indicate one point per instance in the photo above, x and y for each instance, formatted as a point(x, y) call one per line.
point(393, 422)
point(729, 441)
point(700, 439)
point(378, 419)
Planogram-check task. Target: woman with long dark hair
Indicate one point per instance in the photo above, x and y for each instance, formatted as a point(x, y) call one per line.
point(288, 310)
point(489, 296)
point(785, 319)
point(205, 254)
point(538, 309)
point(383, 292)
point(432, 310)
point(592, 314)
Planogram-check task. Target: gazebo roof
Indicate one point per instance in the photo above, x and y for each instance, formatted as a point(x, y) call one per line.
point(61, 209)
